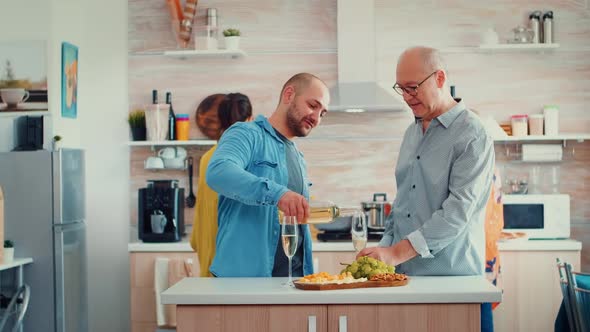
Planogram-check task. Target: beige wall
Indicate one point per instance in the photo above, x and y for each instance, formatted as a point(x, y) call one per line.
point(350, 156)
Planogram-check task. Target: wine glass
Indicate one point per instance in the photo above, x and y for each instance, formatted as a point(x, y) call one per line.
point(289, 238)
point(358, 230)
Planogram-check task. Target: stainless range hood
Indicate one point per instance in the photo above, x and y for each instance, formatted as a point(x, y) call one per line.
point(356, 97)
point(357, 89)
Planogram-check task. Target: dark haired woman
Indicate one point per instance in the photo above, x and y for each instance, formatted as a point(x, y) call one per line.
point(235, 107)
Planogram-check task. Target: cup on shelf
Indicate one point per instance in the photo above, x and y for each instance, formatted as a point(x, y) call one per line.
point(153, 163)
point(175, 163)
point(14, 96)
point(489, 36)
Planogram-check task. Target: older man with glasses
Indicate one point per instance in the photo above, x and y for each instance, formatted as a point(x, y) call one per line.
point(443, 174)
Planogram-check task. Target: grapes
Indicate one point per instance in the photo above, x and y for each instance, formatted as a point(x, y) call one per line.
point(366, 267)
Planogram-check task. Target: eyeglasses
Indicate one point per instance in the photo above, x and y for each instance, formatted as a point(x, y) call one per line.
point(411, 90)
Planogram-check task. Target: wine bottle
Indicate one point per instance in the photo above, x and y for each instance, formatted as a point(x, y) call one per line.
point(457, 99)
point(171, 118)
point(154, 96)
point(322, 213)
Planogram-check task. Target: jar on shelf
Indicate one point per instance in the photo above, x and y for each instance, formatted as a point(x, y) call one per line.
point(519, 125)
point(551, 113)
point(182, 127)
point(536, 124)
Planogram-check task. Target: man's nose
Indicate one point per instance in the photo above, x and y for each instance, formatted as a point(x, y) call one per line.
point(315, 115)
point(407, 96)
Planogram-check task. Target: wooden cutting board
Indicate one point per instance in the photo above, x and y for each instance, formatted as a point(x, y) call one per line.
point(207, 118)
point(366, 284)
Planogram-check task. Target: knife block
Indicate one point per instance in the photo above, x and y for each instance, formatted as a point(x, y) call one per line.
point(1, 227)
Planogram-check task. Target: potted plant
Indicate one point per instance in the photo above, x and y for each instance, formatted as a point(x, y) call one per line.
point(57, 142)
point(136, 121)
point(8, 251)
point(232, 39)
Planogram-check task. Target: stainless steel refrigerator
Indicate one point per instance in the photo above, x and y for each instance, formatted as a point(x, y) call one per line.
point(45, 217)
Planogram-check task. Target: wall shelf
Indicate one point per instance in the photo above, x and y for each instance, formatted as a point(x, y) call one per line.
point(234, 54)
point(493, 48)
point(23, 113)
point(517, 47)
point(185, 54)
point(203, 142)
point(560, 137)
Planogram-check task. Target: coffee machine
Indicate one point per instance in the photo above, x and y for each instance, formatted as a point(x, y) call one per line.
point(161, 211)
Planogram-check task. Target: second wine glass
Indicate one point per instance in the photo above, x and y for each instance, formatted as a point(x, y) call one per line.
point(358, 230)
point(289, 239)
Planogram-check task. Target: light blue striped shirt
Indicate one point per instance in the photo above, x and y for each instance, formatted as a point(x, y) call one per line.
point(443, 183)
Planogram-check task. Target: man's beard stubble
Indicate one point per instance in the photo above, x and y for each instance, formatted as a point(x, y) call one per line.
point(295, 124)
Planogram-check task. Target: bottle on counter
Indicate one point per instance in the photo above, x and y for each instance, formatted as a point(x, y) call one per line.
point(171, 118)
point(548, 27)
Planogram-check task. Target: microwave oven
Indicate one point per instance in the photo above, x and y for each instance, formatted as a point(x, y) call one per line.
point(539, 216)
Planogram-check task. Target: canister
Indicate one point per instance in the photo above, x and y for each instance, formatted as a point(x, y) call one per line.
point(519, 125)
point(551, 113)
point(536, 124)
point(182, 127)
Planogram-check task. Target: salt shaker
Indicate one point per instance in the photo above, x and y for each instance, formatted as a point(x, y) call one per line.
point(535, 21)
point(548, 27)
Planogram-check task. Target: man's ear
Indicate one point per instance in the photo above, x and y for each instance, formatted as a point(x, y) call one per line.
point(288, 94)
point(441, 78)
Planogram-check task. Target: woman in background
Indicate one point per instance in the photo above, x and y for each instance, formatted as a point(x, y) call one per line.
point(235, 107)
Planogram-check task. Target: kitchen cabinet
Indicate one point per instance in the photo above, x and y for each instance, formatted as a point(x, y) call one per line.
point(265, 304)
point(224, 318)
point(330, 318)
point(143, 296)
point(409, 317)
point(531, 293)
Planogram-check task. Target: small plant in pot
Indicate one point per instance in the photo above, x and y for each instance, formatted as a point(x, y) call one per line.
point(8, 251)
point(56, 142)
point(136, 121)
point(232, 39)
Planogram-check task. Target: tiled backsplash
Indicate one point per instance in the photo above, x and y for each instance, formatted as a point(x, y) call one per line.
point(351, 156)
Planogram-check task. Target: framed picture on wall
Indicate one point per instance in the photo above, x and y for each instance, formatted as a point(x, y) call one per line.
point(23, 75)
point(69, 80)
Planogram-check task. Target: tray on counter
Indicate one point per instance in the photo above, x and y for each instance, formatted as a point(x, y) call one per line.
point(365, 284)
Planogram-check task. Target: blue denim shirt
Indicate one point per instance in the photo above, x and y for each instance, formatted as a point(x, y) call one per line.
point(249, 171)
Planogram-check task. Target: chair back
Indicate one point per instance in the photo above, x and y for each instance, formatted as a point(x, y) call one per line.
point(582, 300)
point(568, 295)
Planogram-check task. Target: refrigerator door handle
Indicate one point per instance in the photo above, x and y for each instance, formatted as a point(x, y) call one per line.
point(70, 260)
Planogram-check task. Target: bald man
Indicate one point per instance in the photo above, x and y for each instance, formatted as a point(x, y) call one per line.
point(444, 173)
point(257, 169)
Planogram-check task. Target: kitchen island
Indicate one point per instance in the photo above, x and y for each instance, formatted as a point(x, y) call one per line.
point(264, 304)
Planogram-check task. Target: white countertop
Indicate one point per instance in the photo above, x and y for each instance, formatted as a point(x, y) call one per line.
point(214, 291)
point(510, 245)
